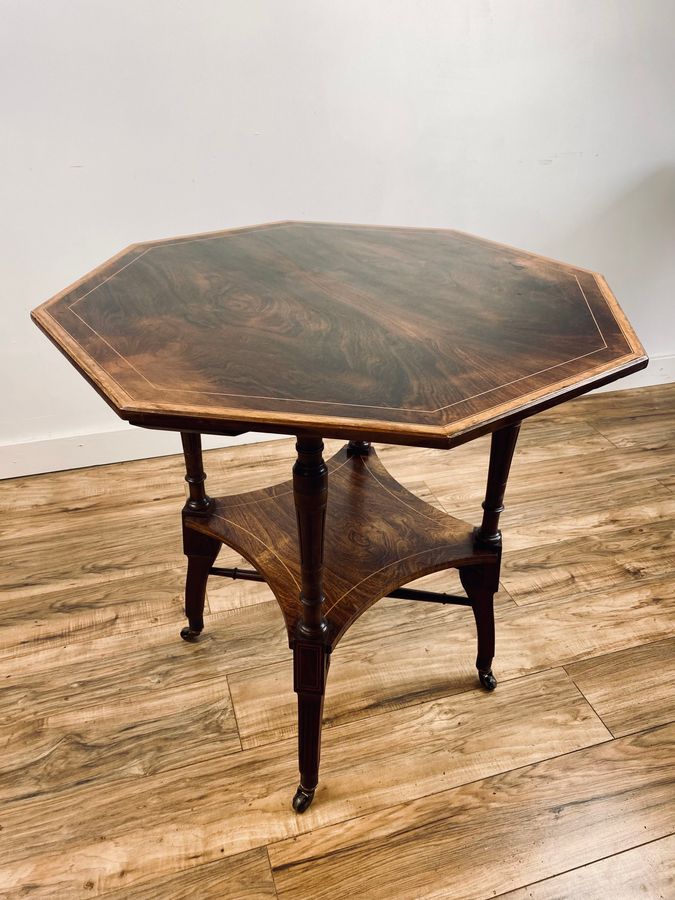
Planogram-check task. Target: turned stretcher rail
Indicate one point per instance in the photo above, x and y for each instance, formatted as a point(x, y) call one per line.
point(399, 593)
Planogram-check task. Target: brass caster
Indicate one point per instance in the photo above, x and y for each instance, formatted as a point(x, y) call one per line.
point(488, 680)
point(190, 634)
point(302, 799)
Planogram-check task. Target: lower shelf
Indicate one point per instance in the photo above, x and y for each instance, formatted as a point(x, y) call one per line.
point(378, 537)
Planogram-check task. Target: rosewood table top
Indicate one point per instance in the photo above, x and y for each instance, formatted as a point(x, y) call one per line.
point(402, 335)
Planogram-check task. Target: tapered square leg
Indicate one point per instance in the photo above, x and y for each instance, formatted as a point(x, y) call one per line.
point(310, 667)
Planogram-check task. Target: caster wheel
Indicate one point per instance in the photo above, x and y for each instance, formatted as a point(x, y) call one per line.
point(302, 799)
point(488, 680)
point(189, 634)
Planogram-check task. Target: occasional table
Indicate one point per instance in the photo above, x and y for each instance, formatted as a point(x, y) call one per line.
point(405, 336)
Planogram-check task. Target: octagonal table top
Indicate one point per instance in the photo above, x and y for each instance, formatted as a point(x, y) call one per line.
point(416, 336)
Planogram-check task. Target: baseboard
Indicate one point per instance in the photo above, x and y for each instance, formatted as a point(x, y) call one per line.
point(80, 450)
point(661, 370)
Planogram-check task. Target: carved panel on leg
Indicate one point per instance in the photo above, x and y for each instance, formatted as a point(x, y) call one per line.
point(310, 667)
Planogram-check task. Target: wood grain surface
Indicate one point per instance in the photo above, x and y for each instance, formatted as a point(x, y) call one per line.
point(632, 689)
point(246, 876)
point(378, 537)
point(647, 871)
point(414, 336)
point(111, 818)
point(136, 765)
point(488, 836)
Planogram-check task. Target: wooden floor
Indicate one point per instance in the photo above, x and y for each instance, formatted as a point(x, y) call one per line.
point(135, 765)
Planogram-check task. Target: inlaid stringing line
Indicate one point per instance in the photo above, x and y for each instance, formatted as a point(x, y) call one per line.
point(123, 358)
point(112, 275)
point(337, 403)
point(395, 562)
point(391, 494)
point(583, 294)
point(522, 378)
point(358, 293)
point(94, 363)
point(333, 402)
point(260, 541)
point(274, 415)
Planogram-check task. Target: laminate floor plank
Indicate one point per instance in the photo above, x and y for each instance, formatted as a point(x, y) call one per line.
point(96, 832)
point(237, 639)
point(246, 876)
point(121, 606)
point(534, 482)
point(145, 481)
point(437, 659)
point(142, 662)
point(121, 768)
point(81, 549)
point(631, 690)
point(495, 834)
point(536, 522)
point(652, 402)
point(575, 567)
point(103, 488)
point(643, 873)
point(127, 734)
point(461, 473)
point(647, 434)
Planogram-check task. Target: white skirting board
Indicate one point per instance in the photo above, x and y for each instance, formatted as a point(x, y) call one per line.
point(101, 448)
point(81, 450)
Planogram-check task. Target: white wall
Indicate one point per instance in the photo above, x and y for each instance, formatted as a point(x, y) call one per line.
point(548, 125)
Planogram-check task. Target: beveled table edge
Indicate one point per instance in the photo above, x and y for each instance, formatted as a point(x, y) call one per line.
point(232, 421)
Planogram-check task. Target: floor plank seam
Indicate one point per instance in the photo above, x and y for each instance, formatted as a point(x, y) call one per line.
point(508, 594)
point(329, 726)
point(668, 487)
point(597, 656)
point(234, 713)
point(602, 434)
point(463, 784)
point(269, 863)
point(632, 695)
point(648, 730)
point(641, 580)
point(590, 705)
point(576, 868)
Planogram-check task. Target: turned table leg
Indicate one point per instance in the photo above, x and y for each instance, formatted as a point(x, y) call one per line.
point(358, 448)
point(502, 448)
point(310, 648)
point(481, 582)
point(200, 549)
